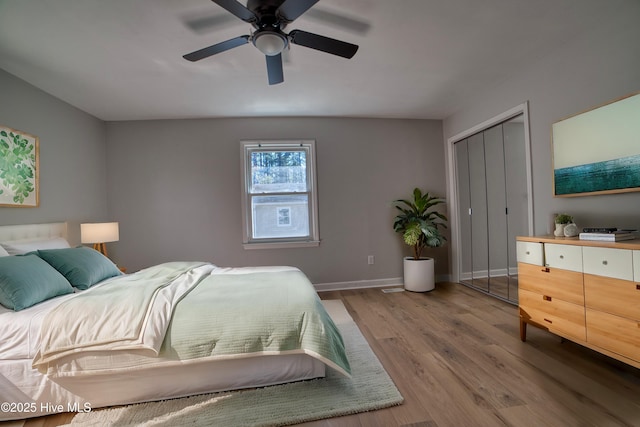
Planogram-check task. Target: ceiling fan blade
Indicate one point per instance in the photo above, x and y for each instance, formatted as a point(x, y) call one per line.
point(203, 24)
point(322, 43)
point(290, 10)
point(339, 21)
point(216, 48)
point(274, 69)
point(237, 9)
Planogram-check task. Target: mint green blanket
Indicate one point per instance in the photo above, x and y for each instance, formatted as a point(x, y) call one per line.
point(236, 313)
point(181, 311)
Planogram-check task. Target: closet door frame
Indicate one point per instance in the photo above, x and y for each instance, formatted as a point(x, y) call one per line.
point(452, 187)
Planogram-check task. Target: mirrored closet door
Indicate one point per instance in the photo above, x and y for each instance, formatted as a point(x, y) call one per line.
point(492, 206)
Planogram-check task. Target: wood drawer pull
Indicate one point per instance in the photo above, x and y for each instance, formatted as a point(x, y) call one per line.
point(547, 320)
point(546, 297)
point(638, 287)
point(605, 262)
point(528, 253)
point(561, 256)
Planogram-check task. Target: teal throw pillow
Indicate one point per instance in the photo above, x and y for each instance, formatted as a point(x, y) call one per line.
point(83, 267)
point(26, 280)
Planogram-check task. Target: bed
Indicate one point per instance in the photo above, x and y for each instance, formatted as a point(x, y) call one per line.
point(93, 337)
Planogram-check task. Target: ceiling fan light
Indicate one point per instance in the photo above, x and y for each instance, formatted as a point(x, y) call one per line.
point(270, 44)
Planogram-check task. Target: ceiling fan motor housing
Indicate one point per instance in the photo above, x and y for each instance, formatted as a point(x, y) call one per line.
point(265, 8)
point(270, 42)
point(268, 37)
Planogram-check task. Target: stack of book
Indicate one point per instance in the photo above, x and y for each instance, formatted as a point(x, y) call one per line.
point(608, 234)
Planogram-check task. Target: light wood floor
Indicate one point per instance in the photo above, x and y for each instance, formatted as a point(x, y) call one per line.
point(456, 357)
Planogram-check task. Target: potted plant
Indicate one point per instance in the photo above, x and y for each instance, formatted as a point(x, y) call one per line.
point(419, 225)
point(561, 221)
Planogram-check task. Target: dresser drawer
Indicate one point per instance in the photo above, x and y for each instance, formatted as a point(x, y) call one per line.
point(614, 333)
point(566, 257)
point(615, 296)
point(636, 266)
point(558, 316)
point(556, 283)
point(530, 253)
point(616, 263)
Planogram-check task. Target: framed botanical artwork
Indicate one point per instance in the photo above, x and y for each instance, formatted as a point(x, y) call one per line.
point(19, 168)
point(598, 151)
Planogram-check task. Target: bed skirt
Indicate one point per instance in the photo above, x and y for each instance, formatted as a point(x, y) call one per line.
point(29, 393)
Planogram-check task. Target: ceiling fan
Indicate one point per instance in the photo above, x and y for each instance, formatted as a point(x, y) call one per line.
point(269, 18)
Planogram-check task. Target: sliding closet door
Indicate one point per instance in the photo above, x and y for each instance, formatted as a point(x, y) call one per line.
point(496, 212)
point(478, 204)
point(492, 207)
point(517, 194)
point(464, 211)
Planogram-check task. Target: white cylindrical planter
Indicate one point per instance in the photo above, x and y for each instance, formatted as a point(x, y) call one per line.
point(419, 275)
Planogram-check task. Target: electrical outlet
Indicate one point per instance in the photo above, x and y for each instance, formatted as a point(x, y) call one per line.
point(370, 260)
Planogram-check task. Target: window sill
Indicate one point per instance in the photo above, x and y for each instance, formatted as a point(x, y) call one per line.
point(281, 245)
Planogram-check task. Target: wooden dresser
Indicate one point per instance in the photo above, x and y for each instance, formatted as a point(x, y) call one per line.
point(585, 291)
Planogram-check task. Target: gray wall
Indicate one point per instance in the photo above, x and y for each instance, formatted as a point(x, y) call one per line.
point(594, 68)
point(72, 157)
point(174, 186)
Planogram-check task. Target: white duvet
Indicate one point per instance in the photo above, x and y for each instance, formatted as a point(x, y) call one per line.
point(20, 331)
point(132, 321)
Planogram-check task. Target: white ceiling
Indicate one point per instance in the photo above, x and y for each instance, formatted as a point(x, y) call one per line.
point(122, 59)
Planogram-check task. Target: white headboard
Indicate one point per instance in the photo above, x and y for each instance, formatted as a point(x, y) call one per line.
point(33, 231)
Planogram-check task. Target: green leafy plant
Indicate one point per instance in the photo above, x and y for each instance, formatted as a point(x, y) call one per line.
point(419, 223)
point(17, 165)
point(563, 219)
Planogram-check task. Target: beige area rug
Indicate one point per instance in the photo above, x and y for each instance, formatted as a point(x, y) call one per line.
point(370, 388)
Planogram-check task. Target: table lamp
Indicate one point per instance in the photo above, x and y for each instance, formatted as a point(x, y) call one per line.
point(99, 234)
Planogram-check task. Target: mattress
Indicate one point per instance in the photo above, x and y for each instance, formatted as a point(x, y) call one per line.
point(33, 394)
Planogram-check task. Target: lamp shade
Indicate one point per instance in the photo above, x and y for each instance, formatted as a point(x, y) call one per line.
point(99, 232)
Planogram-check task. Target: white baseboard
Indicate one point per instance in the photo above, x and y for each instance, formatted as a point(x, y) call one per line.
point(362, 284)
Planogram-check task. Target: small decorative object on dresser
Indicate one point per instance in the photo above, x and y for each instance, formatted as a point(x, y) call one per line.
point(609, 235)
point(571, 230)
point(561, 221)
point(418, 223)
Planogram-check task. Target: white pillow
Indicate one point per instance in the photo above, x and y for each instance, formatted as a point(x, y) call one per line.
point(17, 247)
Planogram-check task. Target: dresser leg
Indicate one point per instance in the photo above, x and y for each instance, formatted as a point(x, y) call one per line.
point(523, 330)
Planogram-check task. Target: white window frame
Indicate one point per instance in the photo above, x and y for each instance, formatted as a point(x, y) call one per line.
point(248, 241)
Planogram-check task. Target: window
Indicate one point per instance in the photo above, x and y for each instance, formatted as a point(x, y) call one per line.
point(279, 203)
